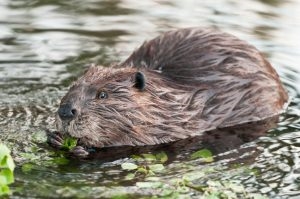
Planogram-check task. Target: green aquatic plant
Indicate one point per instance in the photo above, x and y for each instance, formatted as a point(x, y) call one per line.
point(7, 167)
point(146, 164)
point(205, 154)
point(148, 157)
point(146, 171)
point(69, 143)
point(34, 156)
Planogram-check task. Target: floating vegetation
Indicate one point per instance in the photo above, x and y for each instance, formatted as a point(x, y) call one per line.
point(148, 170)
point(7, 167)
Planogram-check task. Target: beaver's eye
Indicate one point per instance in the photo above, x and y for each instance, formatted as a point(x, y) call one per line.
point(102, 95)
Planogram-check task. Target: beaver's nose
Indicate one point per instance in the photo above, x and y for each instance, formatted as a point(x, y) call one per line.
point(66, 112)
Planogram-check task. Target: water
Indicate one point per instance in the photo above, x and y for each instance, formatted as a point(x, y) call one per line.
point(45, 45)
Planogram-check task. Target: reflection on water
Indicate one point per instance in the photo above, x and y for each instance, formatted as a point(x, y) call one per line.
point(45, 45)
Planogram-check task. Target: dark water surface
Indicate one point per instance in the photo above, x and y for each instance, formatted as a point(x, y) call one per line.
point(46, 44)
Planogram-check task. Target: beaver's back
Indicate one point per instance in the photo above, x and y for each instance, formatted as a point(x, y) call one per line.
point(241, 86)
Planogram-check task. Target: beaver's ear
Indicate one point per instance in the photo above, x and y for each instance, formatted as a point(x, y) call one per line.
point(140, 81)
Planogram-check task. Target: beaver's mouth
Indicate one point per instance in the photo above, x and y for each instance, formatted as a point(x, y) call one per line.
point(59, 139)
point(66, 128)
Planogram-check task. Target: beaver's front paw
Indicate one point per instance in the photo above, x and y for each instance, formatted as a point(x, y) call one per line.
point(79, 151)
point(55, 139)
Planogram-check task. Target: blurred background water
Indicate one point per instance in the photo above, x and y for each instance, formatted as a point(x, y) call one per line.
point(46, 44)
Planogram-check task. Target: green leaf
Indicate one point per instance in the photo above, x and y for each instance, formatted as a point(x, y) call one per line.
point(27, 167)
point(7, 162)
point(3, 180)
point(156, 167)
point(3, 163)
point(69, 142)
point(129, 166)
point(150, 173)
point(6, 170)
point(10, 163)
point(61, 160)
point(142, 170)
point(3, 151)
point(205, 154)
point(4, 190)
point(8, 175)
point(136, 157)
point(149, 157)
point(162, 157)
point(129, 176)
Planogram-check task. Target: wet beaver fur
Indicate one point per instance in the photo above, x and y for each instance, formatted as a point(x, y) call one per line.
point(178, 85)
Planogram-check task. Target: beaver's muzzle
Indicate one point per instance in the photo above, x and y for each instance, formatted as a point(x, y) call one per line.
point(67, 112)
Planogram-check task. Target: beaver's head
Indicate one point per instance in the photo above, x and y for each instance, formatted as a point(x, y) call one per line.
point(122, 106)
point(98, 107)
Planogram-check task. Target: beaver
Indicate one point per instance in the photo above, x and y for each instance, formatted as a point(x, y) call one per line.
point(178, 85)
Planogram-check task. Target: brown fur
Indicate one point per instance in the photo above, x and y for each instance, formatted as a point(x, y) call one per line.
point(196, 80)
